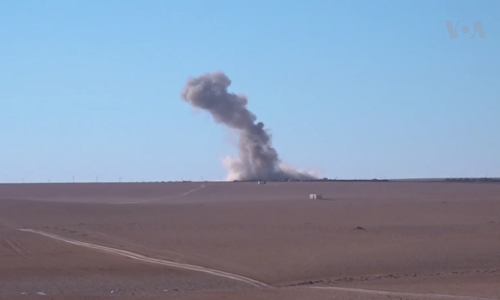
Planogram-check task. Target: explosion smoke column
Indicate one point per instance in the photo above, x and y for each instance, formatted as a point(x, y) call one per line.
point(258, 160)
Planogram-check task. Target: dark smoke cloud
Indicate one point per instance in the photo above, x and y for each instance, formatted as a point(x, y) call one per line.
point(258, 160)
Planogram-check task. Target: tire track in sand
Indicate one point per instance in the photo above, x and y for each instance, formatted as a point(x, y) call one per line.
point(143, 258)
point(165, 198)
point(18, 248)
point(401, 294)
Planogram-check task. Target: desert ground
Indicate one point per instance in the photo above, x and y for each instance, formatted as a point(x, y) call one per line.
point(241, 240)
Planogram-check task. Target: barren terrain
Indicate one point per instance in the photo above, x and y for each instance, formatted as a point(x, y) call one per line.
point(202, 240)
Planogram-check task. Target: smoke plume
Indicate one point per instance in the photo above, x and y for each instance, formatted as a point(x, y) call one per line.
point(258, 160)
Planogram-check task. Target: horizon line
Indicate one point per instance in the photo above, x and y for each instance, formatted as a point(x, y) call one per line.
point(418, 179)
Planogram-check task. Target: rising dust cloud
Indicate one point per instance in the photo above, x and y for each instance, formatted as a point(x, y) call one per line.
point(257, 160)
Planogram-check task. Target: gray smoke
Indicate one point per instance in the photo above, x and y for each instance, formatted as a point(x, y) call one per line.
point(258, 160)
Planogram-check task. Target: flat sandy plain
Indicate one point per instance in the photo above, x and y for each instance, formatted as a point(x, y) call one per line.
point(366, 240)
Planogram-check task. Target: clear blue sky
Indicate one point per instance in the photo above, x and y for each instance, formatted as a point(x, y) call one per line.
point(352, 89)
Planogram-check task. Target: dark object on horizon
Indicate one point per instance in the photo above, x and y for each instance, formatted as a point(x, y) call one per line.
point(359, 228)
